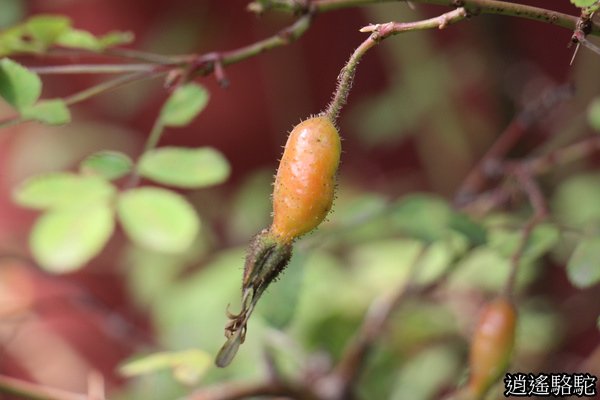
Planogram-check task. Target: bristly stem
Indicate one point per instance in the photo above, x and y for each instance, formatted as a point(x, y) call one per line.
point(378, 33)
point(345, 79)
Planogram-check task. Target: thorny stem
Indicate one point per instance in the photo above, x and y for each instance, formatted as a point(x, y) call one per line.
point(284, 37)
point(473, 7)
point(208, 63)
point(581, 39)
point(380, 32)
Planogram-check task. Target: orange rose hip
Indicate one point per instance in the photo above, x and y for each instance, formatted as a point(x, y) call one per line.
point(305, 180)
point(492, 345)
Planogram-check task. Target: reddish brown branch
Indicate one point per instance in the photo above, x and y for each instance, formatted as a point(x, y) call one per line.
point(27, 390)
point(517, 128)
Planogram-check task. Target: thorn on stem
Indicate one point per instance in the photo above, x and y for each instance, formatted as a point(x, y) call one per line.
point(220, 74)
point(443, 21)
point(369, 28)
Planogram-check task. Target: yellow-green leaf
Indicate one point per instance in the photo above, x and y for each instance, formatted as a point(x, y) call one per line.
point(593, 114)
point(188, 366)
point(51, 112)
point(18, 86)
point(184, 104)
point(108, 164)
point(184, 167)
point(46, 28)
point(64, 240)
point(583, 268)
point(63, 190)
point(158, 219)
point(79, 39)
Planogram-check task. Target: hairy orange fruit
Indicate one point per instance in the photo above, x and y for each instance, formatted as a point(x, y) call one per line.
point(305, 181)
point(492, 345)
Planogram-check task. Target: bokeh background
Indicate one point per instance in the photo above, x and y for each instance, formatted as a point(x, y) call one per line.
point(424, 108)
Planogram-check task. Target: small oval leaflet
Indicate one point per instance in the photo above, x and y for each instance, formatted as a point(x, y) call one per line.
point(108, 164)
point(158, 219)
point(184, 167)
point(64, 240)
point(583, 269)
point(184, 105)
point(18, 86)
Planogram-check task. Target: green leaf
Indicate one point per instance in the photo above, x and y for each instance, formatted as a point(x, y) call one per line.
point(593, 114)
point(107, 164)
point(18, 40)
point(188, 366)
point(12, 12)
point(250, 208)
point(583, 3)
point(158, 219)
point(52, 112)
point(422, 216)
point(115, 38)
point(64, 240)
point(583, 268)
point(473, 231)
point(542, 239)
point(184, 167)
point(279, 303)
point(540, 328)
point(184, 105)
point(47, 28)
point(576, 202)
point(41, 32)
point(34, 35)
point(426, 373)
point(62, 190)
point(18, 86)
point(486, 269)
point(79, 39)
